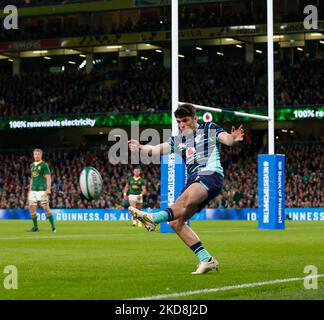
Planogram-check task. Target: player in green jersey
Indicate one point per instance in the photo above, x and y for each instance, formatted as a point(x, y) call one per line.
point(40, 189)
point(135, 189)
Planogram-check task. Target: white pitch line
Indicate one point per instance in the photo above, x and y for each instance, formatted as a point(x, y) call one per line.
point(227, 288)
point(70, 236)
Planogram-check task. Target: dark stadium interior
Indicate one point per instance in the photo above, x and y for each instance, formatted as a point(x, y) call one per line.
point(43, 82)
point(218, 14)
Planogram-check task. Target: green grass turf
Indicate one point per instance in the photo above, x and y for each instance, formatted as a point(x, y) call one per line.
point(112, 260)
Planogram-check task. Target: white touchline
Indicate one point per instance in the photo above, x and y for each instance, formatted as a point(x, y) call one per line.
point(65, 236)
point(227, 288)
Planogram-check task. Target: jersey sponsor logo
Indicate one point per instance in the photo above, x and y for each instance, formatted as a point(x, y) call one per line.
point(190, 152)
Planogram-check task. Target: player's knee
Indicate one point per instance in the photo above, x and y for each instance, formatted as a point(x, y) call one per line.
point(176, 225)
point(190, 206)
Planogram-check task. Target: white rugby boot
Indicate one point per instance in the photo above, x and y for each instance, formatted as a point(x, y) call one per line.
point(204, 267)
point(144, 218)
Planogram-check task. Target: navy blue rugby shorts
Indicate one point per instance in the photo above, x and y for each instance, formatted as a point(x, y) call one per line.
point(212, 181)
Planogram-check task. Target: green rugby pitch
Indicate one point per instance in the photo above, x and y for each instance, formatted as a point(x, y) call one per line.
point(112, 260)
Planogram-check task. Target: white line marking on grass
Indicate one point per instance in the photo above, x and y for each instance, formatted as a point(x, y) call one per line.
point(227, 288)
point(67, 236)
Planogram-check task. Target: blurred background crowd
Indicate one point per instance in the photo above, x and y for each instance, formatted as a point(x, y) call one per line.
point(304, 178)
point(146, 88)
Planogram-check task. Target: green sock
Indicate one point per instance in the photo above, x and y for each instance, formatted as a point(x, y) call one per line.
point(51, 220)
point(35, 221)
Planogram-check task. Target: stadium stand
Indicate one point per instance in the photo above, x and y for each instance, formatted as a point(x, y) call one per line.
point(223, 82)
point(146, 87)
point(304, 178)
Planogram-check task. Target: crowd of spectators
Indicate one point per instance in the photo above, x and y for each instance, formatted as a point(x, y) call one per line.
point(224, 84)
point(239, 85)
point(147, 88)
point(42, 93)
point(300, 84)
point(304, 178)
point(66, 166)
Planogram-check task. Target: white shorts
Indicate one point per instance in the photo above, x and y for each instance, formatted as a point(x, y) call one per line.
point(135, 198)
point(38, 196)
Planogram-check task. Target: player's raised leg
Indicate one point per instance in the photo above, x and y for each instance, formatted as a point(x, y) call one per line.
point(177, 214)
point(185, 206)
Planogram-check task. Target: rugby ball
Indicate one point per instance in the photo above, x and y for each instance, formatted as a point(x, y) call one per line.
point(91, 183)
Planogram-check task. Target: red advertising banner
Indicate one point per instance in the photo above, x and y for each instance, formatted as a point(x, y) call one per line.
point(30, 45)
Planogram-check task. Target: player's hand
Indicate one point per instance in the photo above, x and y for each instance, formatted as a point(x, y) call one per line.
point(48, 192)
point(125, 196)
point(237, 134)
point(133, 145)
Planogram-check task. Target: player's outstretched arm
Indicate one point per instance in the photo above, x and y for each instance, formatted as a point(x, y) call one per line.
point(159, 149)
point(233, 138)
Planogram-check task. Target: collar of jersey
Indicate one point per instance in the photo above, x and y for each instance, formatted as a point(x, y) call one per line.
point(37, 163)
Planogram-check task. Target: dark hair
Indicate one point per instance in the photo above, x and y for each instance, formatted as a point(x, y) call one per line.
point(185, 110)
